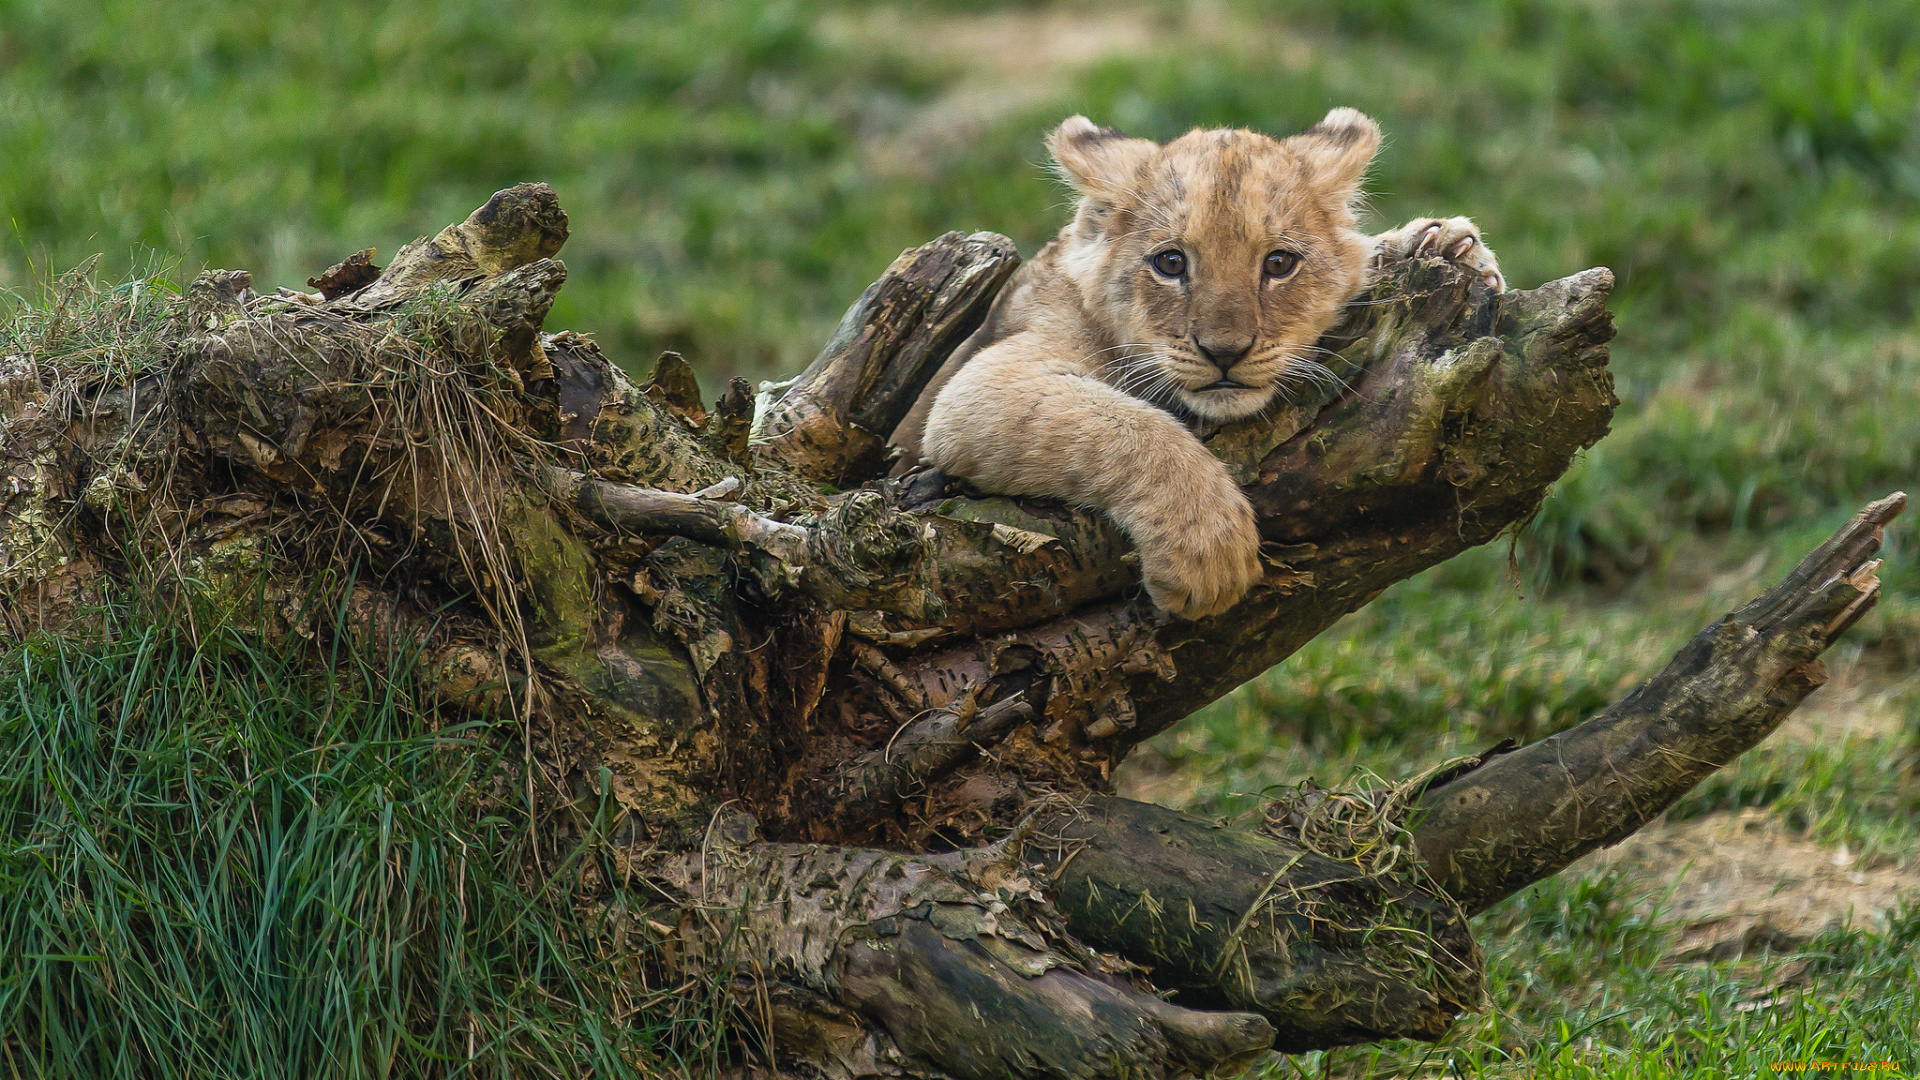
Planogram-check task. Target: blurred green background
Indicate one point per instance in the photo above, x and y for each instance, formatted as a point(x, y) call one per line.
point(737, 172)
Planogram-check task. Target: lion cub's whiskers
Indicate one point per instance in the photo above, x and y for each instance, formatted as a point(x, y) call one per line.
point(1145, 378)
point(1302, 370)
point(1175, 243)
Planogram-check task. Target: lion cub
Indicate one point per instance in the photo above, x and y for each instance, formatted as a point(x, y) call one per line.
point(1192, 282)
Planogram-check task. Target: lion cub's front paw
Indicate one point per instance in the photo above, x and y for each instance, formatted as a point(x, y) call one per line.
point(1206, 568)
point(1456, 240)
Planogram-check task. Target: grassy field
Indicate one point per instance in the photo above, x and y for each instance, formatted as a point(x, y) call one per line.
point(736, 172)
point(217, 865)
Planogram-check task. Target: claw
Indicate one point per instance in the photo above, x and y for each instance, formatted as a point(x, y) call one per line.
point(1455, 240)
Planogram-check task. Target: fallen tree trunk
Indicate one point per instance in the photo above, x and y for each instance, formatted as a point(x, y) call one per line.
point(860, 730)
point(1594, 785)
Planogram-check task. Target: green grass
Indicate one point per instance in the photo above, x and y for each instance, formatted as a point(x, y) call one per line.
point(217, 863)
point(1751, 172)
point(1849, 995)
point(1582, 967)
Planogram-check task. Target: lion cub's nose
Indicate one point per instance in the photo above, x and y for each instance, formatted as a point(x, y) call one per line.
point(1223, 350)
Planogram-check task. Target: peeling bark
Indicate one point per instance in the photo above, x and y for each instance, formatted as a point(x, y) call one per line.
point(956, 960)
point(831, 424)
point(816, 691)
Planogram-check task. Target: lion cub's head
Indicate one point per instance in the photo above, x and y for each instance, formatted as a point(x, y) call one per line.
point(1216, 261)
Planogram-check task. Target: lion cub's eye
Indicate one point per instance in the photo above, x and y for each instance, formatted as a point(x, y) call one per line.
point(1171, 262)
point(1279, 264)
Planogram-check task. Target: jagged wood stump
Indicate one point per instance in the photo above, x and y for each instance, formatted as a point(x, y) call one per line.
point(860, 731)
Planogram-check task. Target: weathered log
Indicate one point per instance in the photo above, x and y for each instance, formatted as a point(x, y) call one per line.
point(1359, 931)
point(858, 557)
point(955, 960)
point(1329, 947)
point(1460, 407)
point(931, 745)
point(738, 624)
point(831, 423)
point(1521, 817)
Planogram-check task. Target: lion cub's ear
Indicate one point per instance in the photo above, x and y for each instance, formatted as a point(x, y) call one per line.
point(1098, 162)
point(1339, 148)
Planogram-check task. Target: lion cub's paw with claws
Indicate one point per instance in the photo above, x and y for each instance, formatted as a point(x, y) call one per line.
point(1455, 239)
point(1206, 566)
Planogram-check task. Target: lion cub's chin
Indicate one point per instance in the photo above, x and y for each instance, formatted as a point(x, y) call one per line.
point(1224, 406)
